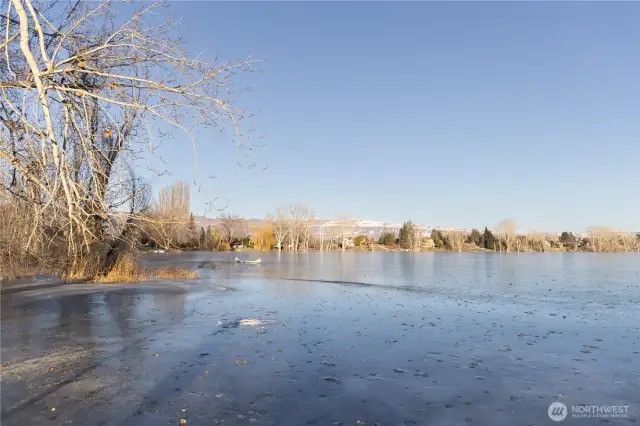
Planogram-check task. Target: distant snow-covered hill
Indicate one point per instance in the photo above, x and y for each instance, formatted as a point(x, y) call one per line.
point(323, 226)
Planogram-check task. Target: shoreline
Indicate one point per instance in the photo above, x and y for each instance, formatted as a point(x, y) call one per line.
point(389, 250)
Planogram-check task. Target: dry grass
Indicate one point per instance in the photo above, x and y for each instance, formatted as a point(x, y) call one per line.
point(174, 274)
point(82, 269)
point(126, 271)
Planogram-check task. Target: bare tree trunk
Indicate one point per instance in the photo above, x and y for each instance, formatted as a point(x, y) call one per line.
point(345, 227)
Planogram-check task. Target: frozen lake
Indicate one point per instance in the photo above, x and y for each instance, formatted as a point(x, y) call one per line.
point(329, 339)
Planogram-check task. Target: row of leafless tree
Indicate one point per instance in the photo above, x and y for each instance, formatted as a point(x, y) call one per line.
point(294, 228)
point(291, 227)
point(596, 239)
point(603, 239)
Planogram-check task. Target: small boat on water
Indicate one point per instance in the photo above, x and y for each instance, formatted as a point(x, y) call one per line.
point(248, 261)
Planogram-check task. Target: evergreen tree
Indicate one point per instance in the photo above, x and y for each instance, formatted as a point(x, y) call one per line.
point(387, 238)
point(192, 231)
point(475, 238)
point(406, 235)
point(489, 239)
point(202, 239)
point(568, 240)
point(209, 238)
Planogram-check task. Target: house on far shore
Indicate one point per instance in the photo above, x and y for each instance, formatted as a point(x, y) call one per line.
point(428, 243)
point(349, 244)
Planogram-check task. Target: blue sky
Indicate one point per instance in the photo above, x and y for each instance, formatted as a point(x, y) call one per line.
point(448, 114)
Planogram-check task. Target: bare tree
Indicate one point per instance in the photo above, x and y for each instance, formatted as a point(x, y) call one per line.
point(417, 237)
point(230, 225)
point(371, 240)
point(333, 235)
point(537, 241)
point(628, 241)
point(280, 225)
point(126, 227)
point(506, 231)
point(294, 229)
point(305, 219)
point(346, 228)
point(83, 90)
point(322, 233)
point(602, 239)
point(299, 227)
point(456, 239)
point(174, 201)
point(170, 216)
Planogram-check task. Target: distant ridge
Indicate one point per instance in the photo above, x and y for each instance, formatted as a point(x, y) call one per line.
point(326, 226)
